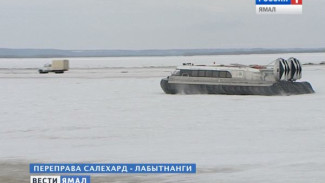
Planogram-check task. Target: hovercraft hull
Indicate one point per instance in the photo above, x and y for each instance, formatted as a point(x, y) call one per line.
point(278, 88)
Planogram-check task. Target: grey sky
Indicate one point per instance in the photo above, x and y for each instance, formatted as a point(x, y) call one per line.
point(156, 24)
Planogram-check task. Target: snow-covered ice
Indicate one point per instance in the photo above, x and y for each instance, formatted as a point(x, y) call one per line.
point(112, 110)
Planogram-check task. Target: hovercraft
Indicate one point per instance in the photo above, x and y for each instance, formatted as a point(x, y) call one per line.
point(277, 79)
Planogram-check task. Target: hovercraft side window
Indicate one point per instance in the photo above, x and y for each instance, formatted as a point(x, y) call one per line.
point(215, 74)
point(228, 75)
point(195, 73)
point(222, 74)
point(205, 73)
point(176, 73)
point(185, 73)
point(208, 73)
point(202, 73)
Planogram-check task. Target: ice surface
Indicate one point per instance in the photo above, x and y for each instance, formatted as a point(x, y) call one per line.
point(116, 112)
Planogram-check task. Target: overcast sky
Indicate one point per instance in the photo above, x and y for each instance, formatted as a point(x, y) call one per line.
point(156, 24)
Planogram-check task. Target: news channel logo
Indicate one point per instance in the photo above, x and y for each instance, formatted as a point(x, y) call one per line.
point(60, 179)
point(278, 7)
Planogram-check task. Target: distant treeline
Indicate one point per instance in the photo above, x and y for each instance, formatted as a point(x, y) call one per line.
point(51, 53)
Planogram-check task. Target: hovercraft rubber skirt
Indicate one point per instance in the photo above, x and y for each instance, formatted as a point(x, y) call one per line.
point(279, 88)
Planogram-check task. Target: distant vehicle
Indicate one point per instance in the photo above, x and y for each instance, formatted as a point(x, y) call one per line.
point(57, 66)
point(277, 79)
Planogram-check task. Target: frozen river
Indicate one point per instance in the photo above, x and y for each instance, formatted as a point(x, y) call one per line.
point(112, 110)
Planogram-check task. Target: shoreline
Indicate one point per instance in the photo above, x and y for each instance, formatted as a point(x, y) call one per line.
point(54, 53)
